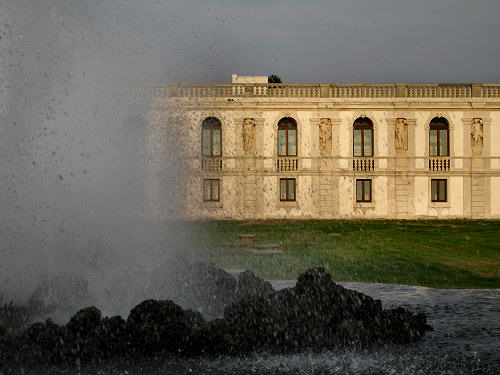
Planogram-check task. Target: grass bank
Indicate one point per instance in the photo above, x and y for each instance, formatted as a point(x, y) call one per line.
point(439, 254)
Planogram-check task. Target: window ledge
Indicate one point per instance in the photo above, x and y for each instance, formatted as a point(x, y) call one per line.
point(282, 204)
point(211, 205)
point(364, 204)
point(439, 205)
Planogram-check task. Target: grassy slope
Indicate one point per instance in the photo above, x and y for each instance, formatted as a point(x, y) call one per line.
point(444, 254)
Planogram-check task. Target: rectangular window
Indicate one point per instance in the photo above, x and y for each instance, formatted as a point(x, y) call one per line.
point(292, 142)
point(357, 142)
point(287, 189)
point(438, 190)
point(362, 142)
point(211, 190)
point(216, 138)
point(211, 142)
point(281, 142)
point(438, 142)
point(287, 142)
point(363, 190)
point(367, 142)
point(433, 142)
point(206, 142)
point(443, 142)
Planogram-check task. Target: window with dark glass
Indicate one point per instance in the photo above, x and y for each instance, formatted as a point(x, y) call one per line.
point(438, 190)
point(363, 190)
point(287, 189)
point(211, 137)
point(211, 190)
point(439, 137)
point(363, 137)
point(287, 137)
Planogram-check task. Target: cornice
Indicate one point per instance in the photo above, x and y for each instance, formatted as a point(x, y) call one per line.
point(320, 105)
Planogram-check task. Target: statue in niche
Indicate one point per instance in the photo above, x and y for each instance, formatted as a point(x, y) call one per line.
point(325, 135)
point(249, 135)
point(401, 135)
point(476, 132)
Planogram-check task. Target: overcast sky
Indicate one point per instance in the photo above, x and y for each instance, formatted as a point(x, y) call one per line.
point(303, 41)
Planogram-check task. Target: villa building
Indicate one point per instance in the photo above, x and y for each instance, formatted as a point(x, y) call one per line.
point(256, 150)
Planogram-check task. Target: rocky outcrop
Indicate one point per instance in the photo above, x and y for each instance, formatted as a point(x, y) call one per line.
point(315, 315)
point(204, 288)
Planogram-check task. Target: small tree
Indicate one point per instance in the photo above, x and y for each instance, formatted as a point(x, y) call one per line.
point(273, 78)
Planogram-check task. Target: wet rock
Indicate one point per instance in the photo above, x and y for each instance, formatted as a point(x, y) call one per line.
point(162, 327)
point(201, 287)
point(13, 317)
point(204, 288)
point(207, 289)
point(248, 283)
point(43, 343)
point(112, 337)
point(315, 315)
point(84, 322)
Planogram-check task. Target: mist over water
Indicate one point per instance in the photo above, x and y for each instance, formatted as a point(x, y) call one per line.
point(73, 161)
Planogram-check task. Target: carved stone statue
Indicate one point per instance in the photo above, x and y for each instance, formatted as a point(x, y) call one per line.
point(401, 135)
point(249, 135)
point(476, 131)
point(325, 135)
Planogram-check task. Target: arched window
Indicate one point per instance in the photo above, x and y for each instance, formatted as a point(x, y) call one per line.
point(211, 137)
point(362, 139)
point(439, 137)
point(287, 137)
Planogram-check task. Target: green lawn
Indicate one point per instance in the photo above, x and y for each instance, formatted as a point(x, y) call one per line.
point(443, 254)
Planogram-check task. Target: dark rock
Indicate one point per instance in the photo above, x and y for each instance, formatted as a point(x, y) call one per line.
point(162, 327)
point(315, 315)
point(13, 317)
point(248, 283)
point(84, 322)
point(112, 338)
point(48, 343)
point(200, 287)
point(208, 289)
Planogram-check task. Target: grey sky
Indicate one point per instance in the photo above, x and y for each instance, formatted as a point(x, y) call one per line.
point(357, 40)
point(303, 41)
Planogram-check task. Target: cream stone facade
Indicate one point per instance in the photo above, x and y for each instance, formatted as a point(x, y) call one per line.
point(434, 153)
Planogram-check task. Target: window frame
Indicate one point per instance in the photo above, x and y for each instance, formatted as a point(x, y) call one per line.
point(287, 195)
point(211, 124)
point(443, 125)
point(366, 125)
point(211, 192)
point(363, 190)
point(287, 128)
point(438, 190)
